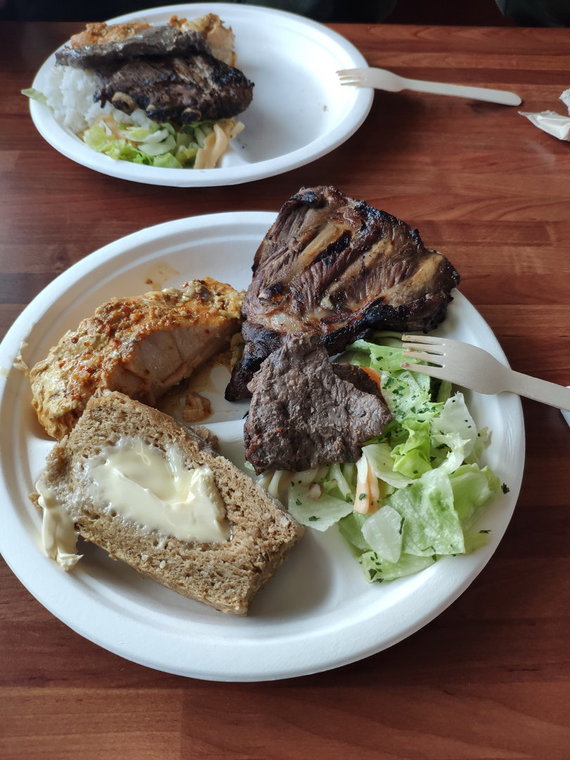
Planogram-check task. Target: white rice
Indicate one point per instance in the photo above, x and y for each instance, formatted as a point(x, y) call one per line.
point(70, 92)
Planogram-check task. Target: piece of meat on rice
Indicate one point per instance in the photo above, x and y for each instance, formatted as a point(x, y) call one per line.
point(169, 73)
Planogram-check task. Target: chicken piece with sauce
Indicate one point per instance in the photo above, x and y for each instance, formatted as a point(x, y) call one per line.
point(141, 346)
point(219, 37)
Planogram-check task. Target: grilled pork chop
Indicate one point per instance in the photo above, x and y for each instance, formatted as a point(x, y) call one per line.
point(178, 89)
point(333, 267)
point(168, 72)
point(306, 411)
point(141, 346)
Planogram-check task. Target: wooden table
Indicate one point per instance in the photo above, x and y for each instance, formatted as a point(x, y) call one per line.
point(489, 677)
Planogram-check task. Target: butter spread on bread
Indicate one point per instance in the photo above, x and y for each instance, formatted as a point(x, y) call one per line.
point(227, 573)
point(154, 489)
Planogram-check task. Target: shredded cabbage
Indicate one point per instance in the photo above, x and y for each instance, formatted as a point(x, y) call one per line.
point(33, 94)
point(161, 144)
point(427, 463)
point(197, 145)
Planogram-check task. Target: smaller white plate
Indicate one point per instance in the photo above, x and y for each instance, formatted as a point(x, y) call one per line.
point(299, 111)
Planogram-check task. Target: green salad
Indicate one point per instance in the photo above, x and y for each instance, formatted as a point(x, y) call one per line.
point(417, 490)
point(161, 144)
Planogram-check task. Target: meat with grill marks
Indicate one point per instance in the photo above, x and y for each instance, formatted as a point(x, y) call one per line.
point(334, 267)
point(169, 73)
point(179, 89)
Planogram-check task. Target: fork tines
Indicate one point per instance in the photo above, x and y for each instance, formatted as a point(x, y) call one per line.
point(423, 348)
point(428, 340)
point(349, 76)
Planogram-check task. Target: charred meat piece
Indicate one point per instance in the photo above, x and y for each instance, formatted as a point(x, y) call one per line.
point(180, 90)
point(333, 267)
point(358, 377)
point(141, 346)
point(303, 415)
point(169, 73)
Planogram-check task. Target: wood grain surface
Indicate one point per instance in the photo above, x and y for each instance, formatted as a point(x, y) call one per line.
point(488, 679)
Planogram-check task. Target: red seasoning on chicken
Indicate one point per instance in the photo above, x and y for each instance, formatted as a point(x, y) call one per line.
point(141, 346)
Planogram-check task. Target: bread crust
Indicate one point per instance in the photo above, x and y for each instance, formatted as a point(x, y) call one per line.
point(223, 575)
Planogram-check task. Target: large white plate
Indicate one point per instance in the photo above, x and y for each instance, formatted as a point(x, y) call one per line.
point(299, 110)
point(318, 612)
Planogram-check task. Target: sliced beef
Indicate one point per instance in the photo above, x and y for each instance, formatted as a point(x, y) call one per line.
point(170, 74)
point(333, 267)
point(303, 415)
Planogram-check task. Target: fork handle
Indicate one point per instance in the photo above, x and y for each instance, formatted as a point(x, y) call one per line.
point(460, 91)
point(538, 390)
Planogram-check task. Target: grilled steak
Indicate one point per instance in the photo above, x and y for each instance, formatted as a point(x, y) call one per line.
point(333, 267)
point(168, 73)
point(303, 415)
point(178, 90)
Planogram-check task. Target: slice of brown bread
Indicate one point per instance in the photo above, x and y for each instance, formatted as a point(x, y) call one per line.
point(224, 575)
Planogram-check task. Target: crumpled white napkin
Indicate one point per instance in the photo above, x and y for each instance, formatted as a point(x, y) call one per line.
point(550, 121)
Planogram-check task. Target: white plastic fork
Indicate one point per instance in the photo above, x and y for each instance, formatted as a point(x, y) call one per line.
point(381, 79)
point(474, 368)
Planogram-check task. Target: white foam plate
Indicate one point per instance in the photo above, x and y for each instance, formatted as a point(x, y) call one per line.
point(318, 612)
point(299, 111)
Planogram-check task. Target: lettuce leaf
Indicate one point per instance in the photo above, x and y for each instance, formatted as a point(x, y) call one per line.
point(431, 524)
point(33, 94)
point(319, 512)
point(377, 569)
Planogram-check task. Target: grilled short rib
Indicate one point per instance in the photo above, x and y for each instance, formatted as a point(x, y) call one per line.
point(169, 73)
point(307, 411)
point(334, 267)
